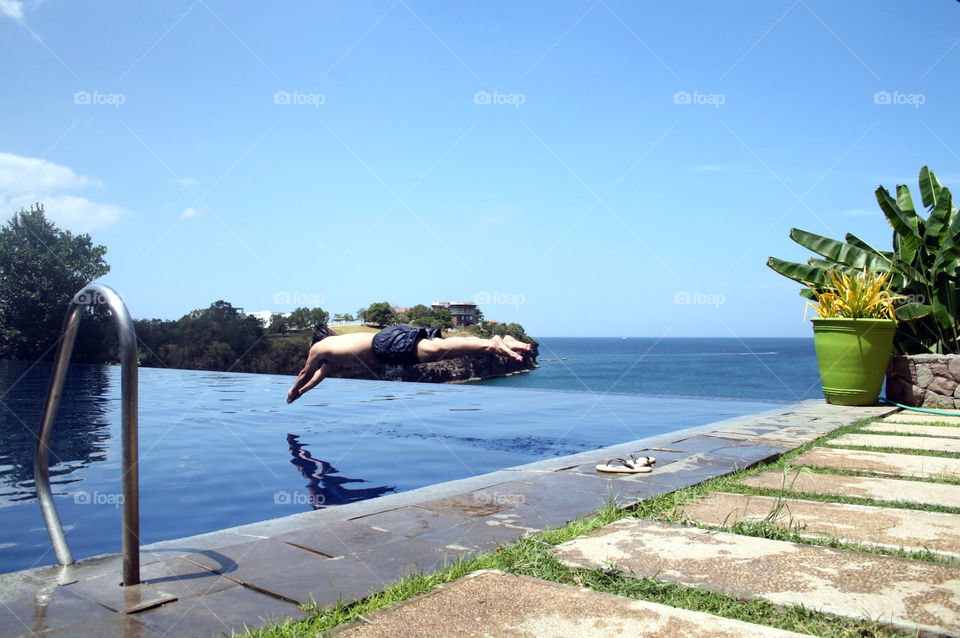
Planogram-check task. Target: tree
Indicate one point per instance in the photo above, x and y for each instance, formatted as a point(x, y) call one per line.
point(419, 312)
point(380, 314)
point(41, 268)
point(443, 318)
point(278, 323)
point(348, 318)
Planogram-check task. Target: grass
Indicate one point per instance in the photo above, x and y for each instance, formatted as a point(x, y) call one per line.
point(823, 469)
point(895, 450)
point(533, 556)
point(351, 328)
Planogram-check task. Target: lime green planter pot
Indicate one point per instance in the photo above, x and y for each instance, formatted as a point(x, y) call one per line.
point(853, 356)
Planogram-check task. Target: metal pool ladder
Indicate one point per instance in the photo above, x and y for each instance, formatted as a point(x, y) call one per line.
point(95, 294)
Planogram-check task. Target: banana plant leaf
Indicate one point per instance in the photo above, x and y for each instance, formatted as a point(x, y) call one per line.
point(938, 222)
point(840, 252)
point(930, 187)
point(906, 235)
point(853, 240)
point(801, 273)
point(913, 310)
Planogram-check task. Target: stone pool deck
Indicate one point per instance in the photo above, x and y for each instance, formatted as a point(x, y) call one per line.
point(240, 577)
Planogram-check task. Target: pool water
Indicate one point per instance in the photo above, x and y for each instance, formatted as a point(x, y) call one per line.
point(223, 449)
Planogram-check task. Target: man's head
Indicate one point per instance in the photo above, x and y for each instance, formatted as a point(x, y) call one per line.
point(321, 332)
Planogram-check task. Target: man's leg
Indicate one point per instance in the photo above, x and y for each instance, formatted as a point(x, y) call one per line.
point(452, 347)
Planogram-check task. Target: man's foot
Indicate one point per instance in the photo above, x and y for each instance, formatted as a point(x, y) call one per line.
point(516, 344)
point(502, 346)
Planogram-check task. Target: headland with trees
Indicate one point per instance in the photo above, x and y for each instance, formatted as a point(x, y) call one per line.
point(42, 267)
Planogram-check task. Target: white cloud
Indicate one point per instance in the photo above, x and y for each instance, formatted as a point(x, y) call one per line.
point(12, 9)
point(30, 174)
point(25, 181)
point(193, 212)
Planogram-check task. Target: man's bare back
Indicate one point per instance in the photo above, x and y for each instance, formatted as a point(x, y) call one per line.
point(332, 353)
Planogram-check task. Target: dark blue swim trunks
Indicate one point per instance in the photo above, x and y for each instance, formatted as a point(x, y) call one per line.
point(397, 345)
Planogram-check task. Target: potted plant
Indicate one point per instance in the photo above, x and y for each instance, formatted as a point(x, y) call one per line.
point(924, 269)
point(853, 335)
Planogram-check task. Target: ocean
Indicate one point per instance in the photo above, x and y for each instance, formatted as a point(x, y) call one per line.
point(774, 369)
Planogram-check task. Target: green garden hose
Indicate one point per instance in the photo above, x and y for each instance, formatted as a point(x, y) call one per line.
point(927, 410)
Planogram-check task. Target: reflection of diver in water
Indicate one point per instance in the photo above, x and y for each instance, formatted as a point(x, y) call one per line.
point(326, 490)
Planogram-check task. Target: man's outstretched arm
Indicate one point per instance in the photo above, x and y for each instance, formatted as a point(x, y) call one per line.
point(439, 349)
point(313, 372)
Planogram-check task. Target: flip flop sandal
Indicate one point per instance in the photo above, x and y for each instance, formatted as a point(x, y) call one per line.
point(642, 460)
point(620, 466)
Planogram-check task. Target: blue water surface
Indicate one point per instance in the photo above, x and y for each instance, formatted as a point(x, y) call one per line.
point(754, 368)
point(223, 449)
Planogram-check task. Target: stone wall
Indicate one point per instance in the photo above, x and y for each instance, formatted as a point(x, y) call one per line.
point(925, 380)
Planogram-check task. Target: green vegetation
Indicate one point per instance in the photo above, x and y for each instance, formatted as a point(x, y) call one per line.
point(41, 268)
point(533, 556)
point(380, 314)
point(219, 338)
point(924, 265)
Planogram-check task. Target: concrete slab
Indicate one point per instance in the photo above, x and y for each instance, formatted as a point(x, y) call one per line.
point(492, 603)
point(923, 417)
point(908, 594)
point(880, 489)
point(108, 591)
point(881, 462)
point(947, 431)
point(29, 606)
point(881, 526)
point(225, 612)
point(928, 443)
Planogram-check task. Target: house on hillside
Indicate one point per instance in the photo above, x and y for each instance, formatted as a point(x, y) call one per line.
point(464, 313)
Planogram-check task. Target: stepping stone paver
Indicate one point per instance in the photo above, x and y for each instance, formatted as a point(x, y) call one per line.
point(881, 462)
point(928, 443)
point(881, 489)
point(882, 526)
point(492, 603)
point(908, 594)
point(922, 417)
point(946, 431)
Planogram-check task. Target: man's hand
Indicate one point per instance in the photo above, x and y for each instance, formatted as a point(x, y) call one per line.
point(313, 373)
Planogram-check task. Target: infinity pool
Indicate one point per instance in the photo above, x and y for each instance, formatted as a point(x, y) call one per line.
point(223, 449)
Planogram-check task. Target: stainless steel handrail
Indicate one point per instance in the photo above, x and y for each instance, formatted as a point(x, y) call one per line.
point(96, 294)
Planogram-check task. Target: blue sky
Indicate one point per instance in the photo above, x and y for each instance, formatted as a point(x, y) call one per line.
point(582, 168)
